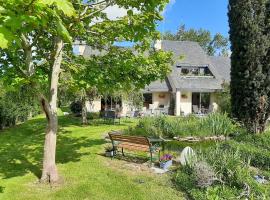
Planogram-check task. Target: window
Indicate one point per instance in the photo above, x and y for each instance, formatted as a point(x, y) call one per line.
point(195, 71)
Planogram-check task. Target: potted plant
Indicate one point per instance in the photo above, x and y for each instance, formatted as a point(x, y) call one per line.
point(109, 151)
point(166, 161)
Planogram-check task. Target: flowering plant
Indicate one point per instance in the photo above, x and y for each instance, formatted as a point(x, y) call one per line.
point(166, 158)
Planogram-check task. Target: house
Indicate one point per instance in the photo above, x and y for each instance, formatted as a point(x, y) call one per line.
point(194, 81)
point(192, 85)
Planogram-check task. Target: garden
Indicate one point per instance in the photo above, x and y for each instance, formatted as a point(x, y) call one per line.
point(58, 58)
point(236, 167)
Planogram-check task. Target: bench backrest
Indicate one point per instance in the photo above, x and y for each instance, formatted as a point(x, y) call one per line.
point(130, 139)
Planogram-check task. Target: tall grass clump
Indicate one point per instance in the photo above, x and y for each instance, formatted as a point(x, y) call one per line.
point(169, 127)
point(218, 124)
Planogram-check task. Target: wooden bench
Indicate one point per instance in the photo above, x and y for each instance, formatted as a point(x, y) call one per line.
point(133, 143)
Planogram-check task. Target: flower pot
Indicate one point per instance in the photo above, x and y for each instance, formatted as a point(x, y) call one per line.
point(165, 165)
point(109, 153)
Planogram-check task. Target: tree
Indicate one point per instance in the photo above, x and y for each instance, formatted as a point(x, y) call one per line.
point(250, 71)
point(36, 34)
point(218, 44)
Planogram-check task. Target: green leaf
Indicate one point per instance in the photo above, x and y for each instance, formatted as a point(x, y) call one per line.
point(6, 37)
point(61, 29)
point(63, 5)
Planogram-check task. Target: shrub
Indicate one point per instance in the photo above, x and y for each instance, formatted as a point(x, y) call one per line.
point(204, 174)
point(76, 107)
point(258, 156)
point(12, 112)
point(93, 115)
point(145, 127)
point(234, 175)
point(224, 99)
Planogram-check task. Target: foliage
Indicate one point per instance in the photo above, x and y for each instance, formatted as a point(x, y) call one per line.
point(254, 148)
point(13, 112)
point(135, 99)
point(217, 44)
point(213, 124)
point(218, 124)
point(76, 107)
point(224, 99)
point(204, 174)
point(93, 115)
point(250, 45)
point(234, 179)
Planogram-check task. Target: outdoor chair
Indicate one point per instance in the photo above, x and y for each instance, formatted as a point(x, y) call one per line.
point(111, 115)
point(195, 109)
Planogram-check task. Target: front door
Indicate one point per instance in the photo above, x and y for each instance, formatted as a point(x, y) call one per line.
point(196, 99)
point(148, 99)
point(201, 101)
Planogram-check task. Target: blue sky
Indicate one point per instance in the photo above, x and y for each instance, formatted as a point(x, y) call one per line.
point(206, 14)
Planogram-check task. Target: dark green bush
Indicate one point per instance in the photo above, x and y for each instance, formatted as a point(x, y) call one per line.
point(76, 107)
point(17, 106)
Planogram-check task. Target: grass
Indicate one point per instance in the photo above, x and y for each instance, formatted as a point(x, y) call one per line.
point(85, 172)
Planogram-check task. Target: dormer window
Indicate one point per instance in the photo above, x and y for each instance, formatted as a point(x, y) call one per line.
point(197, 71)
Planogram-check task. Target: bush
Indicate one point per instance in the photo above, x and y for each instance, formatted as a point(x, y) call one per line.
point(146, 126)
point(12, 112)
point(76, 107)
point(258, 156)
point(224, 99)
point(93, 115)
point(234, 177)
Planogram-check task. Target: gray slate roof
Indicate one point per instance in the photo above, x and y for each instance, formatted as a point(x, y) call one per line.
point(223, 66)
point(158, 86)
point(190, 54)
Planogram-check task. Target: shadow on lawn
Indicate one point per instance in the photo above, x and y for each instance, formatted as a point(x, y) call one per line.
point(1, 189)
point(21, 149)
point(128, 157)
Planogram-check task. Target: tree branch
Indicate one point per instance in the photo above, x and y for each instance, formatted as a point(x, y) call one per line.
point(28, 55)
point(97, 11)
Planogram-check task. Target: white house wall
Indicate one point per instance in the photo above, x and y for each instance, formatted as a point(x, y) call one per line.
point(94, 107)
point(160, 98)
point(213, 101)
point(186, 103)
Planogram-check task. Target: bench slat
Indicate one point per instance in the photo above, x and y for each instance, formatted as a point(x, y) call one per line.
point(132, 146)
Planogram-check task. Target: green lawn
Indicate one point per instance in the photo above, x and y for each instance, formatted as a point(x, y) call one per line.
point(85, 172)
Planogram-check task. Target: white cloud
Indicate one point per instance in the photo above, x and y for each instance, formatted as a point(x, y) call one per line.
point(114, 12)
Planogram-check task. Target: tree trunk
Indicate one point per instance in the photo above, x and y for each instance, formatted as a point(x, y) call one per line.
point(49, 171)
point(84, 111)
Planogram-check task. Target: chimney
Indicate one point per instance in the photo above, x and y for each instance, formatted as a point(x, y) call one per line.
point(79, 48)
point(158, 45)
